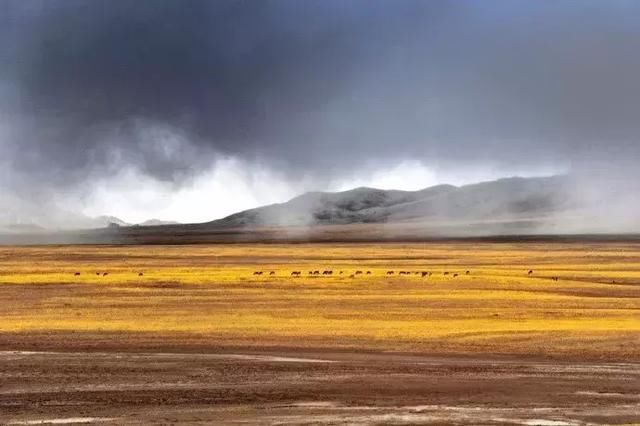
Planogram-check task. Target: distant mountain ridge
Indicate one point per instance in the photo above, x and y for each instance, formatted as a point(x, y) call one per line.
point(522, 207)
point(62, 221)
point(157, 222)
point(508, 199)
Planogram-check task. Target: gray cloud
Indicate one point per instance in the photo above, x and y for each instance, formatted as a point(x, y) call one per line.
point(314, 87)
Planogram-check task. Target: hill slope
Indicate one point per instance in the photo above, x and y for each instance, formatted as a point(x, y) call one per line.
point(504, 199)
point(507, 208)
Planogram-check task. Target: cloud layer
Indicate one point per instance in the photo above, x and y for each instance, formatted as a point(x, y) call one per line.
point(313, 92)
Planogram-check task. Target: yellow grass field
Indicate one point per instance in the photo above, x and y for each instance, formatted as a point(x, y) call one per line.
point(209, 295)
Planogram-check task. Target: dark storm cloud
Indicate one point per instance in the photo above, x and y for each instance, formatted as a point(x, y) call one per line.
point(316, 87)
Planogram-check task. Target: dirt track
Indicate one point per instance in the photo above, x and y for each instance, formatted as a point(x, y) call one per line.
point(311, 387)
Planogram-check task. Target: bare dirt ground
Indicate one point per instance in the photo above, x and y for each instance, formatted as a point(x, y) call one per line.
point(200, 339)
point(311, 388)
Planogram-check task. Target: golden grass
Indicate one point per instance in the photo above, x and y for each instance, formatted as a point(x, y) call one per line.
point(211, 292)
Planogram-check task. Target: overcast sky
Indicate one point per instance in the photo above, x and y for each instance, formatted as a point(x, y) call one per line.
point(191, 110)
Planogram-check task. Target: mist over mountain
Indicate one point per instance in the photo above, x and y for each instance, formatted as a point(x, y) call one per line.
point(53, 219)
point(157, 222)
point(554, 205)
point(21, 216)
point(163, 108)
point(510, 198)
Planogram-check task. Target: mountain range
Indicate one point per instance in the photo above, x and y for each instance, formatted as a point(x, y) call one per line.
point(504, 199)
point(66, 221)
point(510, 206)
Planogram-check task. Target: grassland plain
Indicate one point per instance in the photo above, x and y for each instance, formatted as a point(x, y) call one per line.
point(192, 335)
point(209, 296)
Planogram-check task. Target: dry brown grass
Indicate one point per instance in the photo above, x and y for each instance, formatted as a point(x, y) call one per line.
point(208, 295)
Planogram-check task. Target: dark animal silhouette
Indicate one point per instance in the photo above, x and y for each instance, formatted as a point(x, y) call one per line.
point(97, 273)
point(424, 274)
point(104, 274)
point(140, 274)
point(446, 273)
point(352, 276)
point(272, 273)
point(295, 273)
point(530, 272)
point(358, 272)
point(467, 272)
point(257, 273)
point(554, 278)
point(368, 272)
point(455, 275)
point(316, 272)
point(77, 274)
point(340, 272)
point(389, 272)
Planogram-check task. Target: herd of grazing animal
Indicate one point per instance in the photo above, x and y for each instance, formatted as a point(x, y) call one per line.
point(104, 274)
point(329, 272)
point(422, 274)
